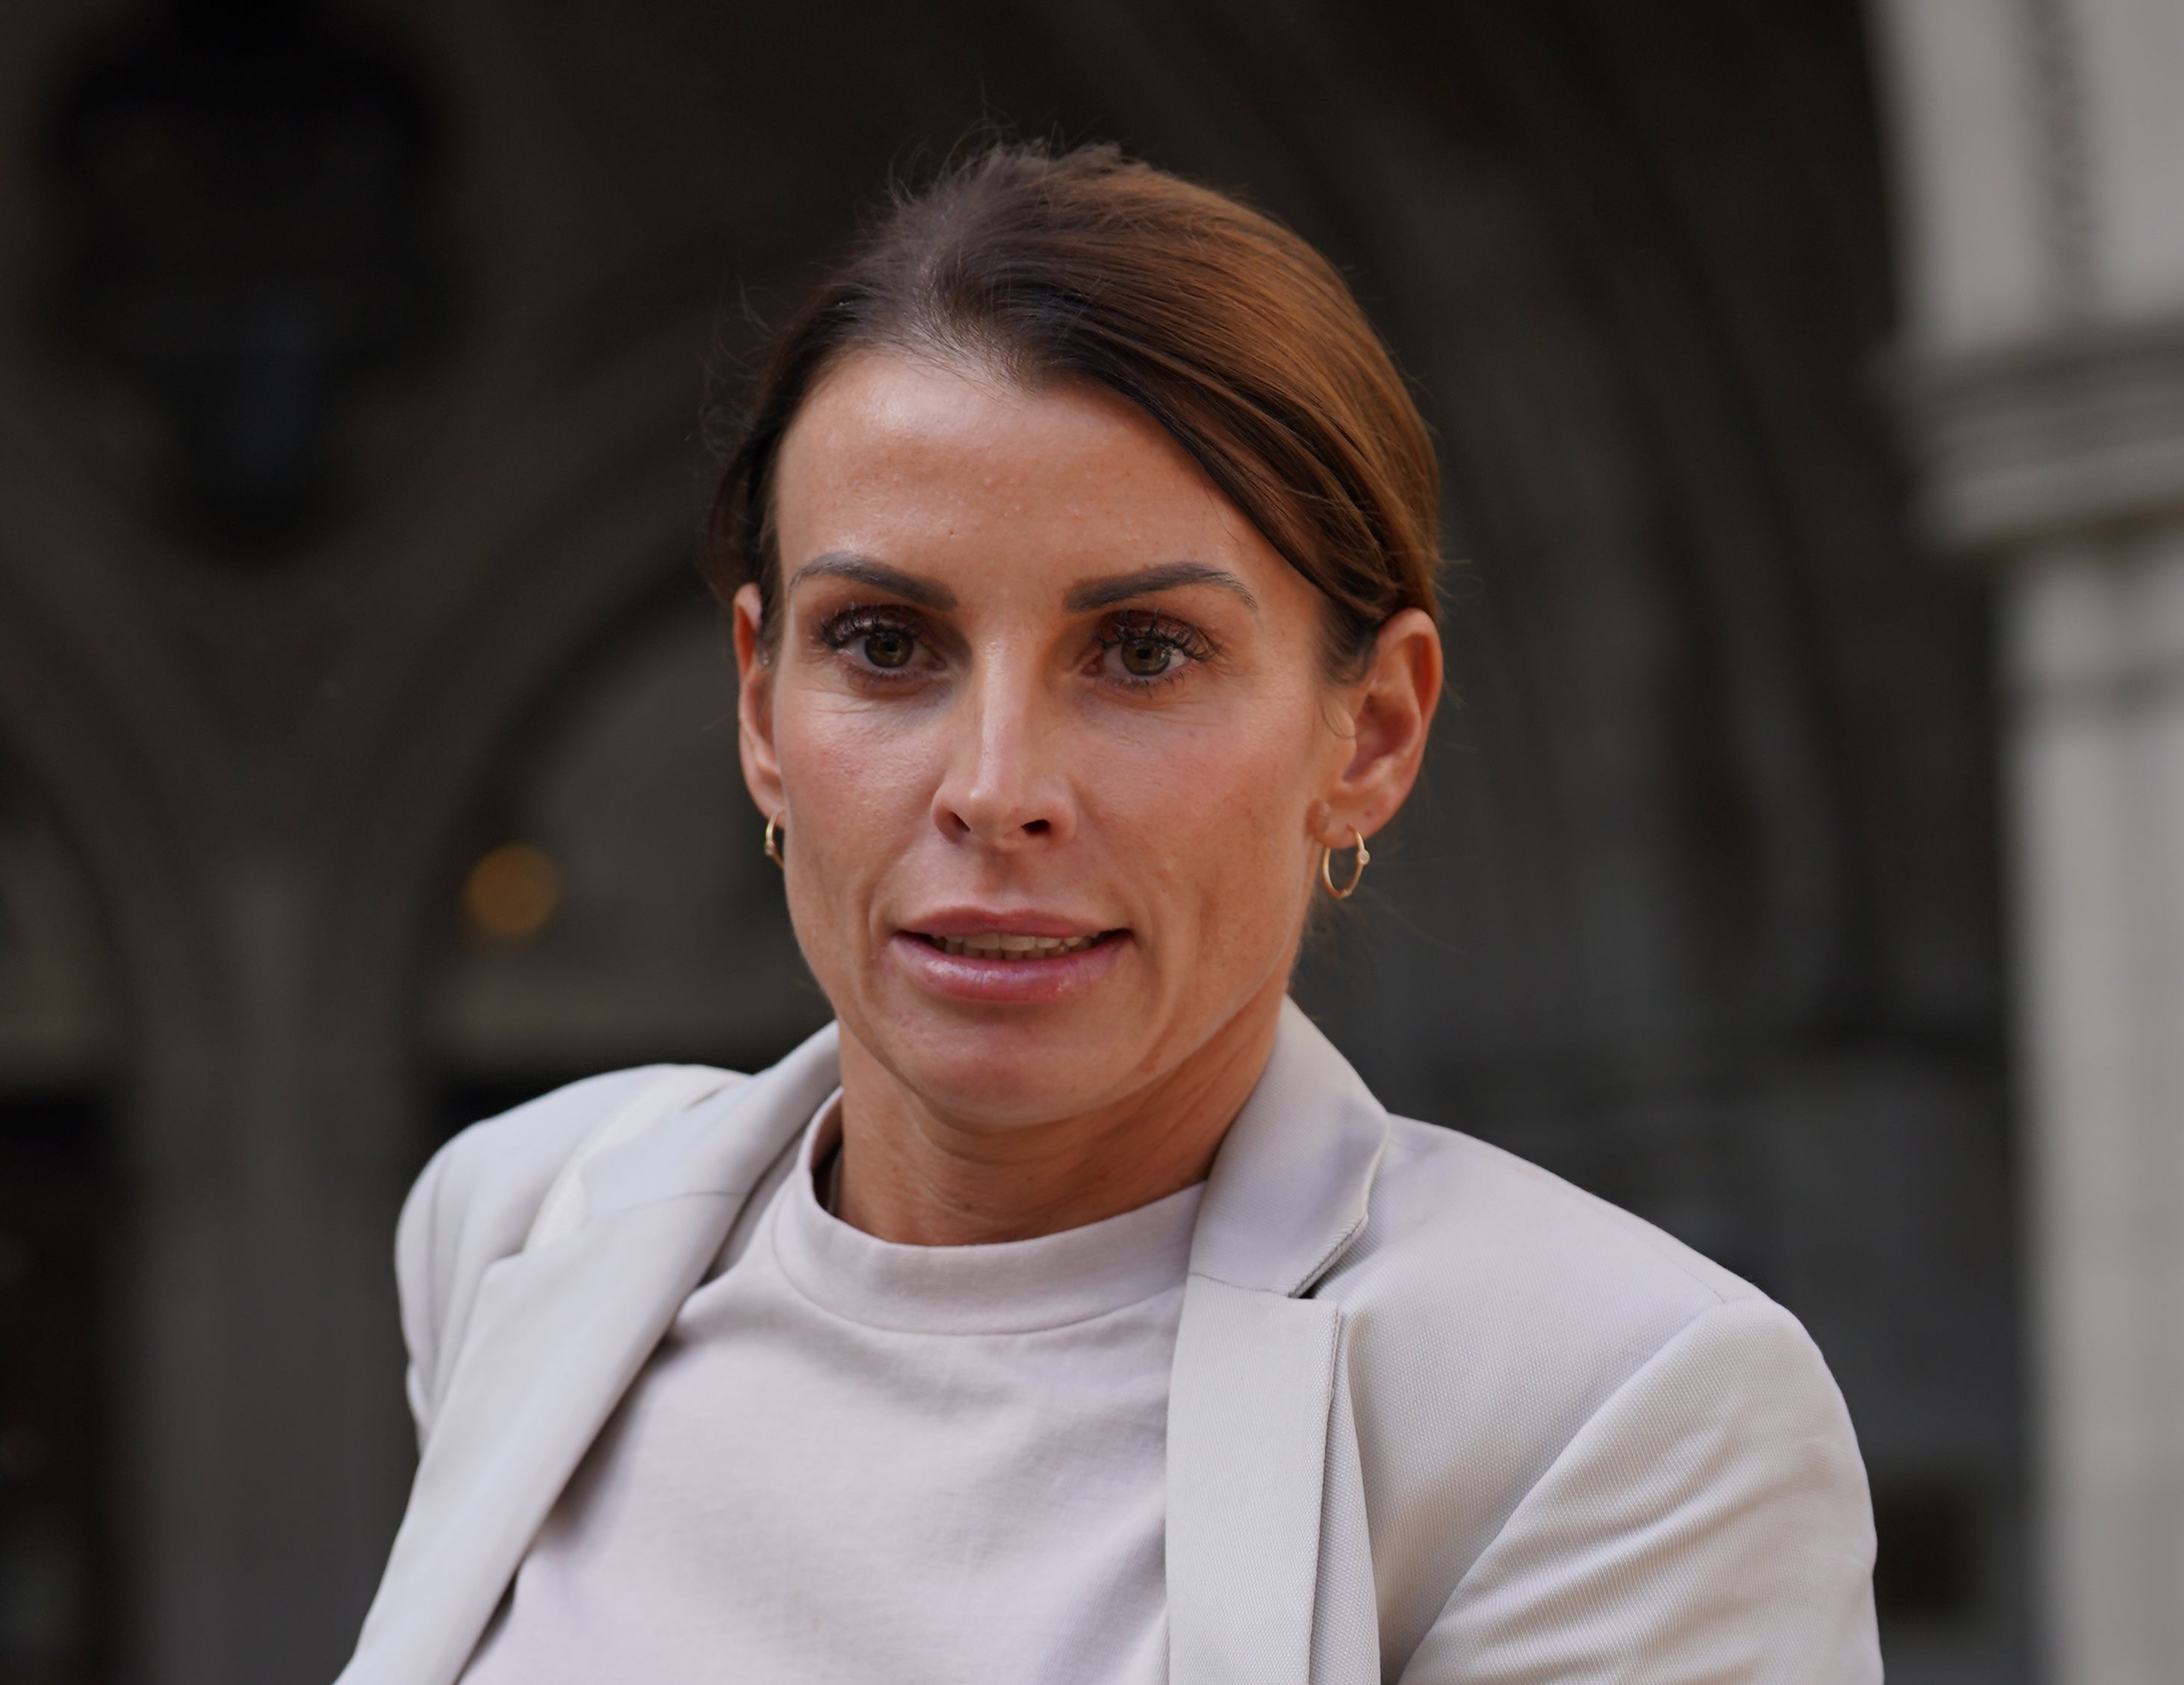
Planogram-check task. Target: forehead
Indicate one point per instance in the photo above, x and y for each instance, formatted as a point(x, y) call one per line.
point(917, 460)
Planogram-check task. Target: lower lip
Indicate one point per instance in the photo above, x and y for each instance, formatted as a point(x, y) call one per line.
point(1005, 983)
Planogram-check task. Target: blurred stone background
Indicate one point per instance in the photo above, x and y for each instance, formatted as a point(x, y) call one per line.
point(1801, 862)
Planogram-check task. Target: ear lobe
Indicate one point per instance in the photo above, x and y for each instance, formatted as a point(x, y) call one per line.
point(1393, 712)
point(754, 705)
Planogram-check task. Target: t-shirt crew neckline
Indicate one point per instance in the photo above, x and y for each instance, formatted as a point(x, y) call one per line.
point(1015, 1286)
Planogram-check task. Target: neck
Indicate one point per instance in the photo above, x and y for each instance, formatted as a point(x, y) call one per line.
point(910, 1173)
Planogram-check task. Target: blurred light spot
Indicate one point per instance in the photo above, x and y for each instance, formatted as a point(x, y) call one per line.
point(512, 891)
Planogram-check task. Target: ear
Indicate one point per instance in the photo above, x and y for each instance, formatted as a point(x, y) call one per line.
point(1389, 712)
point(755, 707)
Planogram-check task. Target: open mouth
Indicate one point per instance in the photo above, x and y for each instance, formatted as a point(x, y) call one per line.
point(1002, 945)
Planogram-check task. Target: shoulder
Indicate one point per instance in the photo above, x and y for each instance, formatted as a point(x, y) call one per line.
point(1445, 1205)
point(482, 1189)
point(474, 1204)
point(1469, 1252)
point(1503, 1328)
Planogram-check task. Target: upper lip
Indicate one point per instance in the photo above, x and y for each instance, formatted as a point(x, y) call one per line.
point(959, 922)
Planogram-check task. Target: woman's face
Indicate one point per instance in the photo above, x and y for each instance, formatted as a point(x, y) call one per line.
point(1049, 732)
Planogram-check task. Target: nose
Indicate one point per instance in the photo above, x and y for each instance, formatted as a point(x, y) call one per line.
point(1005, 786)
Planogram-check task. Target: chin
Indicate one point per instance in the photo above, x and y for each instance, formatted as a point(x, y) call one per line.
point(1014, 1079)
point(1012, 1071)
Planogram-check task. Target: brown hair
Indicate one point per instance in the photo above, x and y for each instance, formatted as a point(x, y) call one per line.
point(1226, 328)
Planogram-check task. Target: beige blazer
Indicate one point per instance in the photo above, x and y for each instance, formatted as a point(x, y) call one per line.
point(1436, 1415)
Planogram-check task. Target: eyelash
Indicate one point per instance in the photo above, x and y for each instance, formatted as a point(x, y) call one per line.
point(1143, 625)
point(839, 630)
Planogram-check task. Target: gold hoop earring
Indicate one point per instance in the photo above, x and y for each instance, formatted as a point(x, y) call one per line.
point(775, 832)
point(1358, 871)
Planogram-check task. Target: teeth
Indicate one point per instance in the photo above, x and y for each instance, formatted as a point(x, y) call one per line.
point(1000, 946)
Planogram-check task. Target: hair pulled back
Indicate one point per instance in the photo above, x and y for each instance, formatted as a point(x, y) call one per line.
point(1226, 329)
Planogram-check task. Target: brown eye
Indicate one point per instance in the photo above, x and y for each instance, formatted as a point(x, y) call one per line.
point(888, 647)
point(1146, 657)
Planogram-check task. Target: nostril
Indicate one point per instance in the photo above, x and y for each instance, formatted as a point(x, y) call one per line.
point(1037, 827)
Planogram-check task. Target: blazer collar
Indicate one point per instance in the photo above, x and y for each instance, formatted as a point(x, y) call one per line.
point(1292, 1181)
point(1287, 1196)
point(722, 1145)
point(1257, 1362)
point(559, 1335)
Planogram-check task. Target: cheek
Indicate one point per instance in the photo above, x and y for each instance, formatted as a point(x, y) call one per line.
point(852, 763)
point(856, 801)
point(1219, 814)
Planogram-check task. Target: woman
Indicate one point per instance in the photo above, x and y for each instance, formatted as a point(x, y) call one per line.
point(1069, 1311)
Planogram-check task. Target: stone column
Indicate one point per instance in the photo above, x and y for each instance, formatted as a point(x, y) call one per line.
point(2064, 466)
point(2040, 144)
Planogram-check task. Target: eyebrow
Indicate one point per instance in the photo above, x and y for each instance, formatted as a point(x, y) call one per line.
point(911, 587)
point(1104, 593)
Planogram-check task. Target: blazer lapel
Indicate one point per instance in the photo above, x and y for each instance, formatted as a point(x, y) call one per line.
point(556, 1338)
point(1248, 1407)
point(1256, 1367)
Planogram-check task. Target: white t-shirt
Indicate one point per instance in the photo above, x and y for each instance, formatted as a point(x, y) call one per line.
point(855, 1461)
